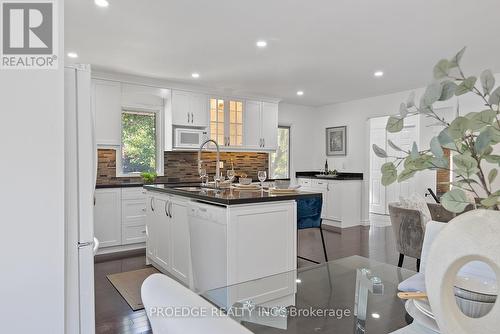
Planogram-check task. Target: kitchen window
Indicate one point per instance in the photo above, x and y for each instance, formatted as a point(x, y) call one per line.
point(226, 121)
point(141, 149)
point(279, 161)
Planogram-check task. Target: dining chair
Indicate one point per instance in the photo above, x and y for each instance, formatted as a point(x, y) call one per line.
point(309, 216)
point(162, 296)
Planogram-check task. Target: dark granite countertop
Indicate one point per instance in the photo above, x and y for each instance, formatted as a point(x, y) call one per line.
point(340, 176)
point(226, 196)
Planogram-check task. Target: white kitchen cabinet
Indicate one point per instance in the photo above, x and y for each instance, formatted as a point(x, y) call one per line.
point(151, 233)
point(252, 125)
point(107, 217)
point(106, 102)
point(270, 125)
point(333, 201)
point(133, 216)
point(261, 125)
point(163, 231)
point(143, 97)
point(181, 250)
point(189, 109)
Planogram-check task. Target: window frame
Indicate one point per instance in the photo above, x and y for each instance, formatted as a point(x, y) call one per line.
point(289, 127)
point(159, 141)
point(227, 120)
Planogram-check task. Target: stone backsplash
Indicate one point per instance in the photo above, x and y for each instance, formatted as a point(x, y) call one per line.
point(182, 166)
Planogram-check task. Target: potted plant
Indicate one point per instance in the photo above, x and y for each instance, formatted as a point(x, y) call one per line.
point(148, 177)
point(470, 137)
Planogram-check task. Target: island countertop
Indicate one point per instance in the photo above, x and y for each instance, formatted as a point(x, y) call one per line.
point(227, 196)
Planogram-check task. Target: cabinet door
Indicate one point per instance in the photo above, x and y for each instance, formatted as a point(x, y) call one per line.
point(334, 201)
point(181, 250)
point(151, 229)
point(163, 235)
point(270, 125)
point(107, 217)
point(198, 108)
point(322, 187)
point(252, 125)
point(133, 221)
point(106, 101)
point(143, 96)
point(181, 108)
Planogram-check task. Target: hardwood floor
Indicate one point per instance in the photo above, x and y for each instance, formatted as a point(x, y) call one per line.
point(114, 315)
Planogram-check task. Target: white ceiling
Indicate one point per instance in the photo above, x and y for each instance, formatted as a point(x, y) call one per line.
point(327, 48)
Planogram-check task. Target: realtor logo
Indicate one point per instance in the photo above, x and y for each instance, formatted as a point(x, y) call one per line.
point(28, 35)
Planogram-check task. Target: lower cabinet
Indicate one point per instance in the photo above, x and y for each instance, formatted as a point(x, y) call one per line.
point(107, 217)
point(119, 217)
point(167, 244)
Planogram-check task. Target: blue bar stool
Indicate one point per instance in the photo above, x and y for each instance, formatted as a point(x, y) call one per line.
point(309, 216)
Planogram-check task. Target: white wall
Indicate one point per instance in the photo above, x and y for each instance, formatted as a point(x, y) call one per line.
point(304, 136)
point(32, 198)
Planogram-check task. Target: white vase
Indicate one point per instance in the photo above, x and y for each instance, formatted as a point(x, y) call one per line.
point(472, 236)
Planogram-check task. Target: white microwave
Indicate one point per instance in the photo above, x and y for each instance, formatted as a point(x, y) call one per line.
point(189, 138)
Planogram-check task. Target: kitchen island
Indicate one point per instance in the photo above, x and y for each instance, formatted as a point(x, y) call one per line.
point(210, 238)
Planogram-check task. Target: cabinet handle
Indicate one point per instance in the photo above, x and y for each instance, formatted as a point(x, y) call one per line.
point(188, 118)
point(143, 209)
point(143, 231)
point(192, 118)
point(228, 141)
point(170, 209)
point(263, 142)
point(166, 209)
point(151, 204)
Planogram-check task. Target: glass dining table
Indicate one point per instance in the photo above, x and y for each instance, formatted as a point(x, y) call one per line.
point(349, 295)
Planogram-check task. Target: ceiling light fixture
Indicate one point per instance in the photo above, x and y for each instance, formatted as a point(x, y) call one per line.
point(378, 74)
point(101, 3)
point(261, 44)
point(195, 75)
point(375, 316)
point(72, 55)
point(300, 93)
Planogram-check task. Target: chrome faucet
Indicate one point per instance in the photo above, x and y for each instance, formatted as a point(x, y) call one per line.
point(217, 170)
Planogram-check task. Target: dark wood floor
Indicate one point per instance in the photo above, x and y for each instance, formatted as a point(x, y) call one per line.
point(114, 315)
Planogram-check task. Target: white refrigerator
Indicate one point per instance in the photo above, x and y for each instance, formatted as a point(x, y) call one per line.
point(80, 179)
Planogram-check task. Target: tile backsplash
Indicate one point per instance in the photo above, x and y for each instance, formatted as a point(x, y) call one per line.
point(182, 166)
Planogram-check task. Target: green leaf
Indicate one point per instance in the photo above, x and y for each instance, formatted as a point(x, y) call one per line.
point(448, 90)
point(455, 61)
point(495, 97)
point(432, 94)
point(442, 69)
point(492, 175)
point(436, 148)
point(457, 128)
point(394, 146)
point(466, 86)
point(493, 158)
point(494, 134)
point(410, 102)
point(445, 140)
point(379, 152)
point(482, 119)
point(482, 141)
point(394, 124)
point(403, 110)
point(487, 81)
point(389, 173)
point(440, 162)
point(405, 175)
point(490, 201)
point(455, 201)
point(466, 164)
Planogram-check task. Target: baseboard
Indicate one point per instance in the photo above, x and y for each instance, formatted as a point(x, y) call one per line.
point(119, 254)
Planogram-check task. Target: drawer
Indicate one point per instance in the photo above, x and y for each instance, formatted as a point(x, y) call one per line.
point(305, 182)
point(320, 184)
point(133, 208)
point(133, 193)
point(133, 234)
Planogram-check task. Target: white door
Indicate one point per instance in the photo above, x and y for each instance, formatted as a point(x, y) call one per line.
point(199, 110)
point(162, 223)
point(181, 250)
point(181, 108)
point(252, 125)
point(107, 217)
point(377, 190)
point(270, 125)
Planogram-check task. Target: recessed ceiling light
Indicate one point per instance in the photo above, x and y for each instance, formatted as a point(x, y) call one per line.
point(378, 74)
point(101, 3)
point(261, 44)
point(72, 55)
point(195, 75)
point(300, 93)
point(375, 316)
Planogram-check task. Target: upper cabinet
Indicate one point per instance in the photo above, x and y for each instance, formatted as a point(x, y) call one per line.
point(226, 122)
point(106, 102)
point(261, 125)
point(189, 109)
point(143, 97)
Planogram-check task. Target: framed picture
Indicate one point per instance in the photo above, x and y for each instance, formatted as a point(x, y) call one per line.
point(336, 140)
